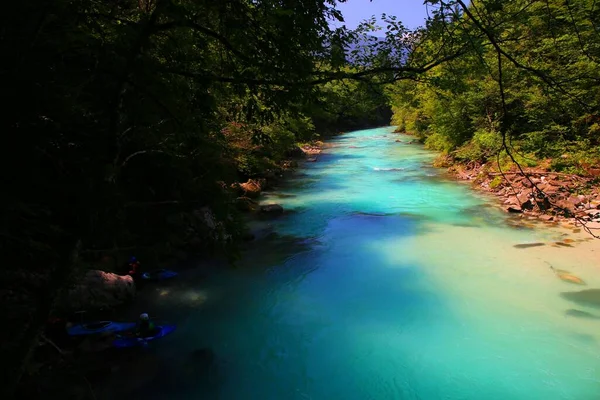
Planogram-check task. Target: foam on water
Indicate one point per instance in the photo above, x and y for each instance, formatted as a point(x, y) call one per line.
point(400, 284)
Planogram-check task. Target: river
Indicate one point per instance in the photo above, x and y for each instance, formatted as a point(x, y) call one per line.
point(386, 281)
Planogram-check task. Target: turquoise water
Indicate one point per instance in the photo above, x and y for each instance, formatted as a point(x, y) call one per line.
point(387, 281)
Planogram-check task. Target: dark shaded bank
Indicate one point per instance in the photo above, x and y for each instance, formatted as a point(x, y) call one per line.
point(59, 365)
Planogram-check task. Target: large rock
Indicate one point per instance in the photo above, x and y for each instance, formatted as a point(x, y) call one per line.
point(574, 201)
point(525, 201)
point(252, 188)
point(98, 289)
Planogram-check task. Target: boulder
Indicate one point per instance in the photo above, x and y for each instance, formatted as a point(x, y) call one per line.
point(99, 289)
point(524, 201)
point(554, 183)
point(526, 183)
point(575, 201)
point(271, 209)
point(252, 188)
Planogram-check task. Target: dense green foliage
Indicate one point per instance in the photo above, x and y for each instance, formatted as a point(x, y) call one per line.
point(542, 56)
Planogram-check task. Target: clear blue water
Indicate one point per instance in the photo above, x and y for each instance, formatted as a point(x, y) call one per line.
point(388, 281)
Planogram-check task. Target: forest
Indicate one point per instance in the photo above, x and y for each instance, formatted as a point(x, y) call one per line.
point(526, 88)
point(124, 119)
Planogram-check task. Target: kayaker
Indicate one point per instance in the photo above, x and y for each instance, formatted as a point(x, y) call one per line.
point(134, 267)
point(145, 326)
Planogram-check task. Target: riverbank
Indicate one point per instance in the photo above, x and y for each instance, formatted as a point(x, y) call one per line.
point(539, 194)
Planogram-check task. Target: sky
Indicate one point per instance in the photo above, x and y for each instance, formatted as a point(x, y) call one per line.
point(412, 13)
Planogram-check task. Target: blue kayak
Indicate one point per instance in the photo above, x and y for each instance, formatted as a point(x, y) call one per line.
point(159, 275)
point(92, 328)
point(131, 340)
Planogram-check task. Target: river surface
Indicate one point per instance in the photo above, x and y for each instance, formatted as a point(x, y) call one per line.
point(385, 281)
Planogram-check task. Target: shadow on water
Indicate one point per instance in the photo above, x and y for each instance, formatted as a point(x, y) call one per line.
point(279, 195)
point(412, 177)
point(580, 314)
point(588, 297)
point(196, 372)
point(274, 249)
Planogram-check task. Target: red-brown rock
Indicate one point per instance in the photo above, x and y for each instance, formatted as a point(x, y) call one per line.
point(98, 289)
point(252, 188)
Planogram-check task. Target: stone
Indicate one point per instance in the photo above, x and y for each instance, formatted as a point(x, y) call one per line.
point(514, 210)
point(524, 201)
point(99, 289)
point(574, 201)
point(554, 183)
point(252, 188)
point(526, 183)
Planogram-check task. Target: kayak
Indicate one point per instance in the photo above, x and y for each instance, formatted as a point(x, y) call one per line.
point(130, 340)
point(159, 275)
point(100, 327)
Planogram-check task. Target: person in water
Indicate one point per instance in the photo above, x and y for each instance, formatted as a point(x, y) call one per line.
point(134, 267)
point(145, 327)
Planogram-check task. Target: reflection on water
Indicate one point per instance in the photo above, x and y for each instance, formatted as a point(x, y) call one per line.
point(389, 282)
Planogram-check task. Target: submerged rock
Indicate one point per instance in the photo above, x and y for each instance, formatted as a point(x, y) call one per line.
point(563, 244)
point(580, 314)
point(527, 245)
point(588, 297)
point(568, 277)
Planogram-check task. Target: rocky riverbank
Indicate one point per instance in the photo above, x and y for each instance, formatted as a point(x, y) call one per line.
point(249, 191)
point(540, 194)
